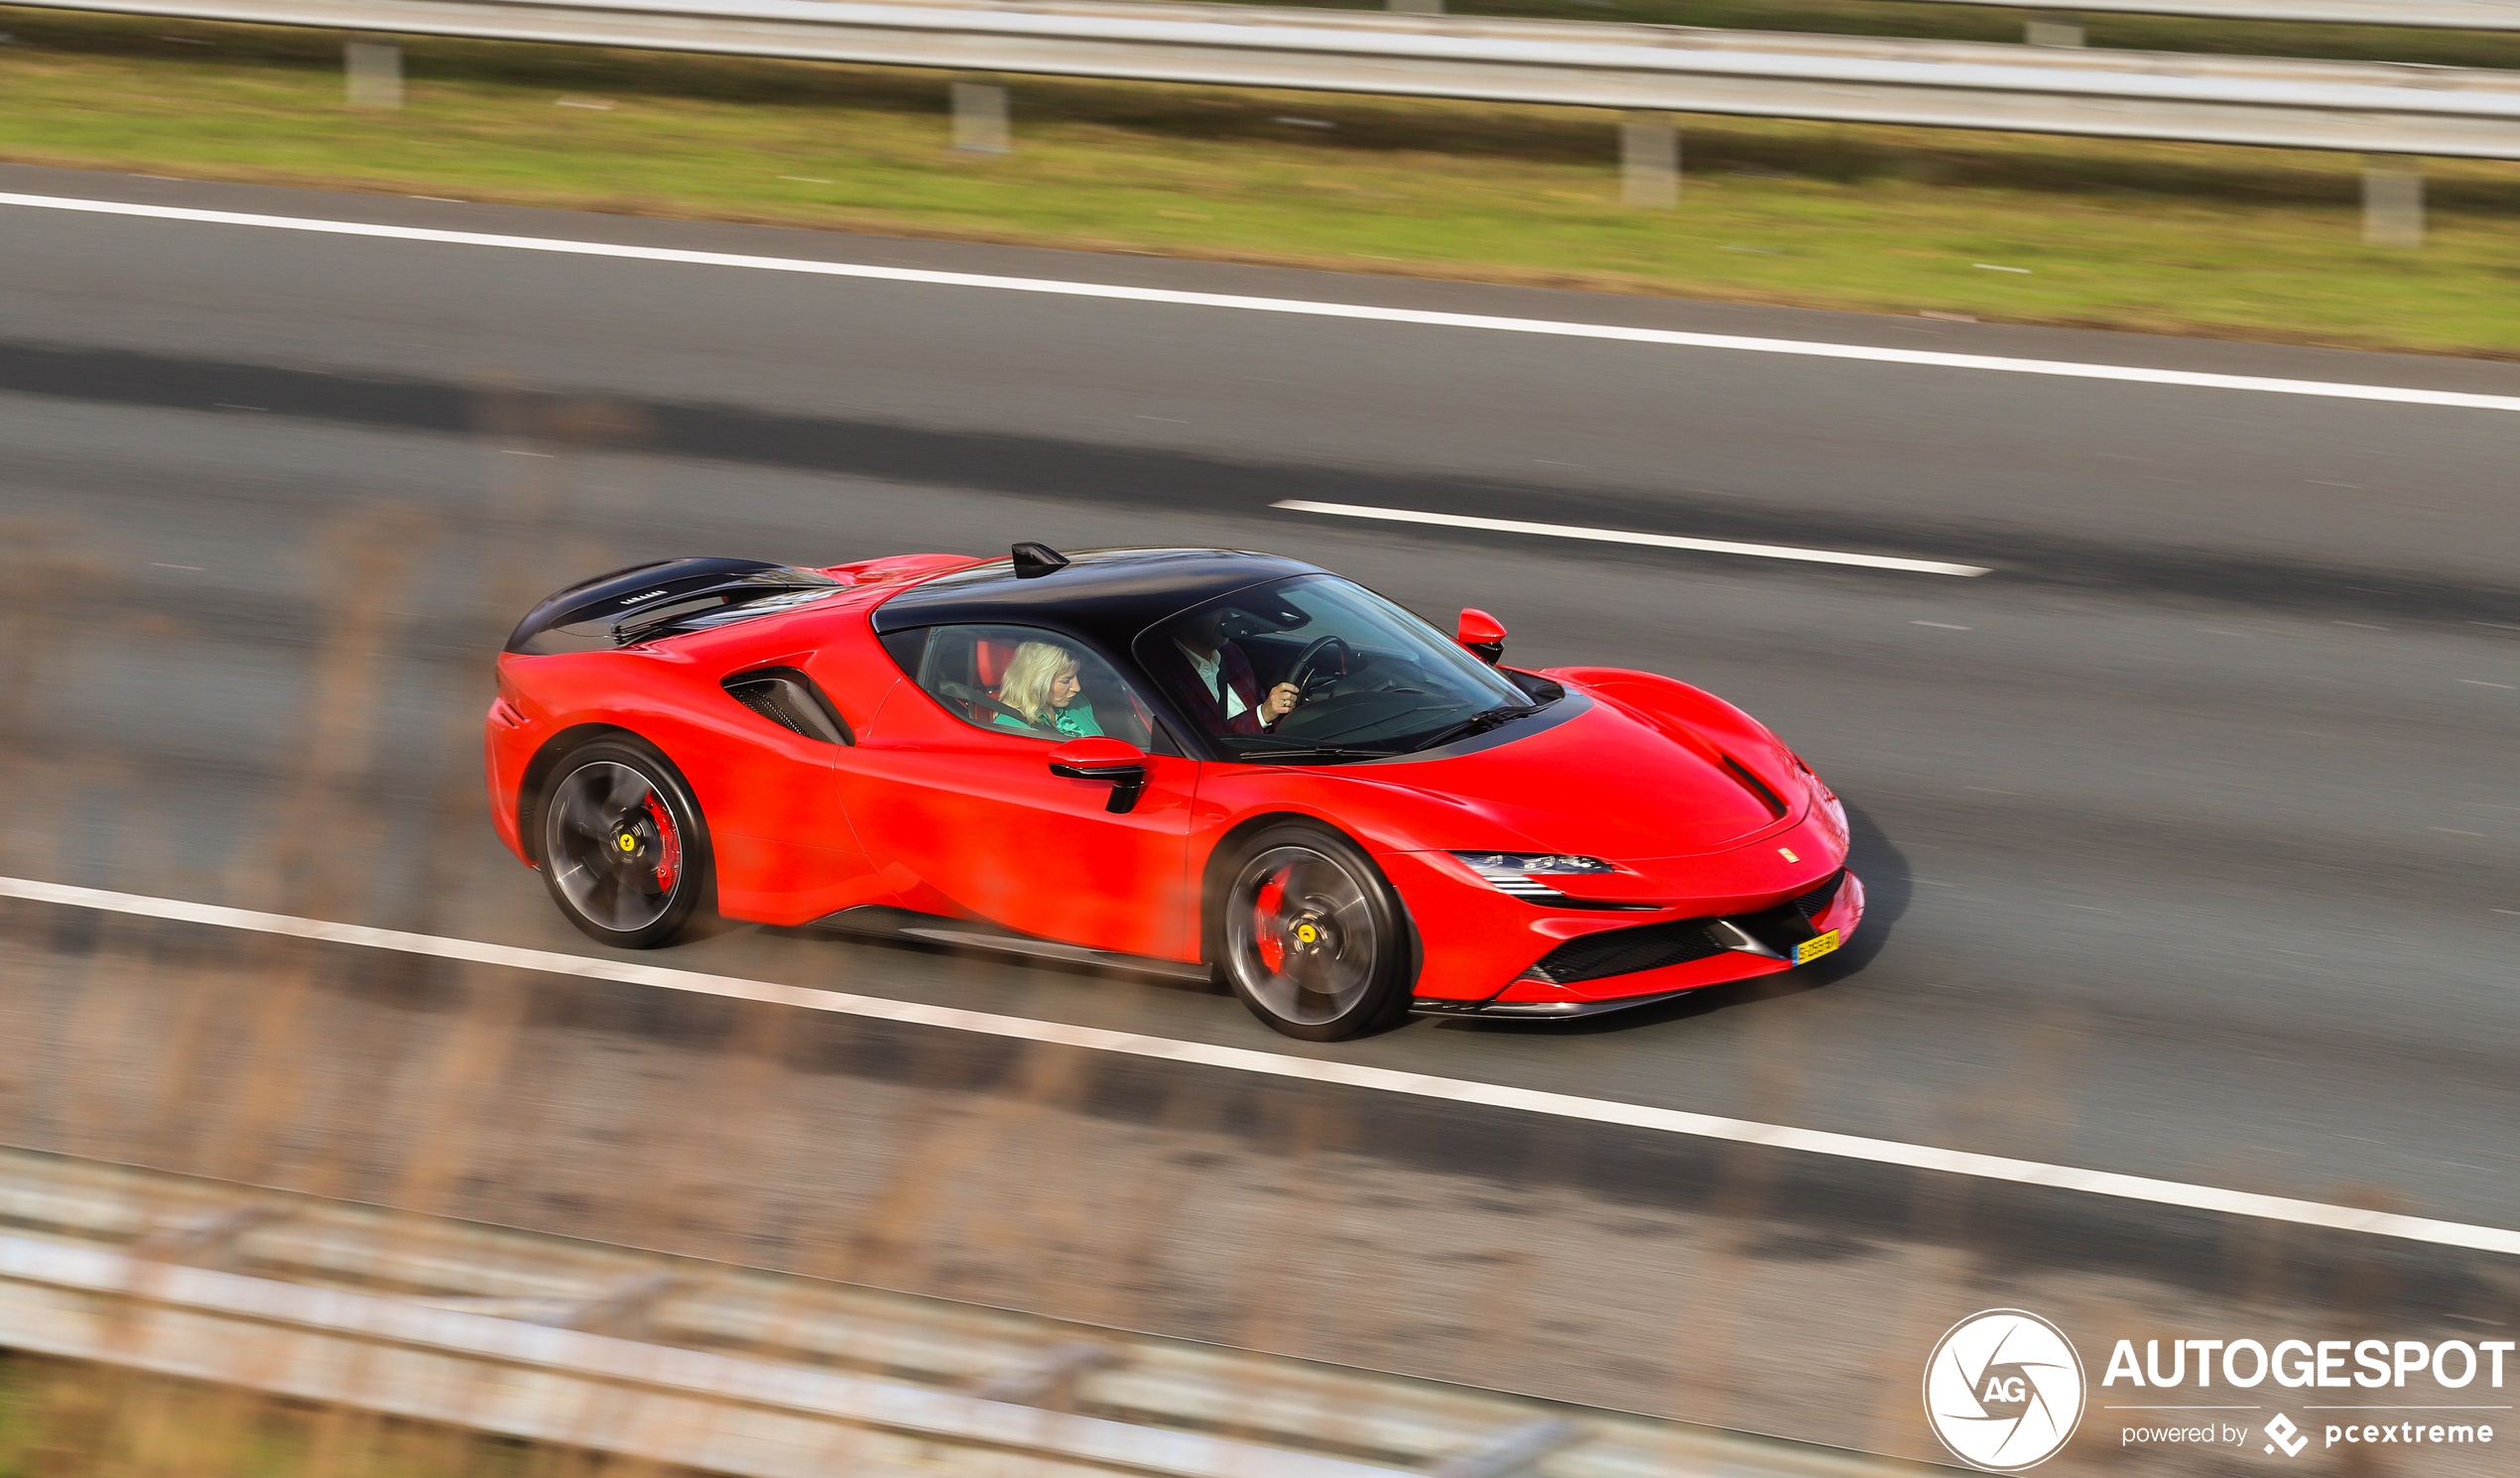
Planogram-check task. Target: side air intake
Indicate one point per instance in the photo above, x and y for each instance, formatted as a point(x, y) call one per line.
point(789, 698)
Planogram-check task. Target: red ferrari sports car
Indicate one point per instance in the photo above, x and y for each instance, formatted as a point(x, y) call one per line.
point(1208, 761)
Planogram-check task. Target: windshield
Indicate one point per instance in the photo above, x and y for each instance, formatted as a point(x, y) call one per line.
point(1315, 668)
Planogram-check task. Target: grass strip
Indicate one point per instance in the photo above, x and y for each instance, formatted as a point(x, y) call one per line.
point(65, 1418)
point(2162, 238)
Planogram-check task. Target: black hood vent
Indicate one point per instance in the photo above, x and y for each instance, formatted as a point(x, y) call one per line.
point(1751, 783)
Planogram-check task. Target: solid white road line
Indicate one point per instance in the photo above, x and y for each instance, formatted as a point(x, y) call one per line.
point(2398, 395)
point(1621, 535)
point(1312, 1069)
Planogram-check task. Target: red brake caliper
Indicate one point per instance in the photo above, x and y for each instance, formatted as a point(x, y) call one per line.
point(669, 859)
point(1265, 927)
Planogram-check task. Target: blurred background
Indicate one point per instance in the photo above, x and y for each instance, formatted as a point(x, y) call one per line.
point(2190, 831)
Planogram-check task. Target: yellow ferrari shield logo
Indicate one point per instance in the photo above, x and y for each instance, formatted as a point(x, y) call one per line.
point(1307, 933)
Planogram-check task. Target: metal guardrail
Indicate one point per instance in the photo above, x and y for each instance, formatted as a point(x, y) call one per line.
point(735, 1370)
point(689, 1408)
point(2364, 107)
point(2423, 15)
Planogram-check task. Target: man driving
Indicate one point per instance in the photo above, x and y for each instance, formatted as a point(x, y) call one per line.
point(1221, 692)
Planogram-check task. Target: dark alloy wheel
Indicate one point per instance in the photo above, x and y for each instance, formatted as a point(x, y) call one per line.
point(622, 846)
point(1310, 936)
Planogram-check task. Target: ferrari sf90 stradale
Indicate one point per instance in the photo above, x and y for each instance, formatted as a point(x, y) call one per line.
point(1202, 760)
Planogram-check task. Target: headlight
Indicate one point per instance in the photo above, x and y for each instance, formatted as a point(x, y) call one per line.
point(1520, 875)
point(1501, 865)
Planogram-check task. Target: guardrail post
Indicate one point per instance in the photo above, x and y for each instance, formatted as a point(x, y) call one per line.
point(1050, 1379)
point(208, 1238)
point(2392, 203)
point(621, 1310)
point(1512, 1451)
point(979, 118)
point(2058, 31)
point(374, 70)
point(1649, 161)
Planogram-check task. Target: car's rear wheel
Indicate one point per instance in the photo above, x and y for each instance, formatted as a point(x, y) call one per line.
point(623, 847)
point(1309, 934)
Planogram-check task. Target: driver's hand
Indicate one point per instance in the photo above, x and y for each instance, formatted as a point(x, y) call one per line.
point(1279, 704)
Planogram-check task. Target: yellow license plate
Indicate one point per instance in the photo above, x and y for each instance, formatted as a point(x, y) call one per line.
point(1811, 950)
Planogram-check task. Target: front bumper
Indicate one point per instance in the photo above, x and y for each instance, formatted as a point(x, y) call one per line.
point(1614, 969)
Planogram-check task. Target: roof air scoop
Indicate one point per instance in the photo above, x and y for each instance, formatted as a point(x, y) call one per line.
point(1033, 561)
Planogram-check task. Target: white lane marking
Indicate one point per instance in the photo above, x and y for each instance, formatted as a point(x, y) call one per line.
point(1277, 1065)
point(2334, 390)
point(1622, 536)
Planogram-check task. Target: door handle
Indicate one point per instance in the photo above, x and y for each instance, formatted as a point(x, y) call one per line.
point(1126, 775)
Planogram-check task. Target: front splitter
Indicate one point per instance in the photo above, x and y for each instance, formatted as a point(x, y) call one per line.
point(1541, 1011)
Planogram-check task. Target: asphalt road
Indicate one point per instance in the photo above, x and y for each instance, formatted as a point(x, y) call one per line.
point(2191, 832)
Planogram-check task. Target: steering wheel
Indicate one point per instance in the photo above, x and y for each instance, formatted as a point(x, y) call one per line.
point(1307, 680)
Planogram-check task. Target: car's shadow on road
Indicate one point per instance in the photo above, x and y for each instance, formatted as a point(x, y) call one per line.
point(1888, 888)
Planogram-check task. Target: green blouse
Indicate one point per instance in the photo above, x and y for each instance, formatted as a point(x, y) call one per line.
point(1076, 721)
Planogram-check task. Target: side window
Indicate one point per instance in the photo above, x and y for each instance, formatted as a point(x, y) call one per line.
point(1022, 680)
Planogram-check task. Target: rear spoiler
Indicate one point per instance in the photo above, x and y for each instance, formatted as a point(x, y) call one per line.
point(620, 603)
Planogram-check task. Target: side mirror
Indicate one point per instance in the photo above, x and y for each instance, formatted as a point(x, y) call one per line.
point(1483, 634)
point(1108, 761)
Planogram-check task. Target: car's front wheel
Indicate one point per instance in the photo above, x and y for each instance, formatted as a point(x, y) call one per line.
point(623, 847)
point(1309, 935)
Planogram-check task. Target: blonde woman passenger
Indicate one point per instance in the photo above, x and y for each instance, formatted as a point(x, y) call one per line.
point(1040, 683)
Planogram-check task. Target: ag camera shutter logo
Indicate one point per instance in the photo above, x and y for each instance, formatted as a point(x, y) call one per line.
point(2004, 1390)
